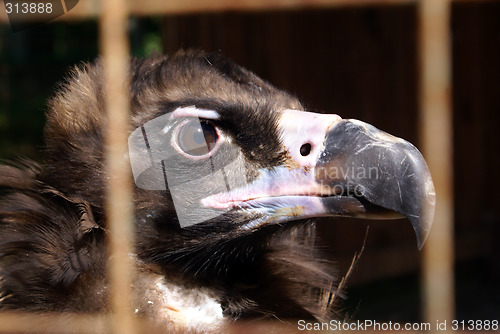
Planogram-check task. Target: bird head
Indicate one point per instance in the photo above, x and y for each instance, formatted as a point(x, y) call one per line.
point(218, 154)
point(227, 172)
point(229, 147)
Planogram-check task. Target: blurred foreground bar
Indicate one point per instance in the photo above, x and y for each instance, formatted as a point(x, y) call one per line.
point(114, 47)
point(437, 145)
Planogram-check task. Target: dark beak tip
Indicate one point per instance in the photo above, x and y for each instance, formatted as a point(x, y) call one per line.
point(403, 182)
point(422, 235)
point(423, 224)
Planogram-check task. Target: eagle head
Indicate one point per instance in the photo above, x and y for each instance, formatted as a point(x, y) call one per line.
point(228, 172)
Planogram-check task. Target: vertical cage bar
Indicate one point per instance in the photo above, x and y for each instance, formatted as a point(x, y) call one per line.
point(115, 50)
point(437, 146)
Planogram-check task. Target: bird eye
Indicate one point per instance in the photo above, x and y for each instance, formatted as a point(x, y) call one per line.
point(197, 138)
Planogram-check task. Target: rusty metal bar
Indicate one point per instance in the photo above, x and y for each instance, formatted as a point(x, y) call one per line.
point(91, 8)
point(23, 322)
point(114, 47)
point(195, 6)
point(437, 146)
point(154, 7)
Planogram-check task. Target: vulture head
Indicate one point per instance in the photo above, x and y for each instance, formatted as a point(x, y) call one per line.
point(228, 172)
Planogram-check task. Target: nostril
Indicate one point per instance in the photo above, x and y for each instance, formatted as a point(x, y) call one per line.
point(305, 149)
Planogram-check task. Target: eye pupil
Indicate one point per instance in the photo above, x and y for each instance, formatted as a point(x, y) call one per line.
point(197, 138)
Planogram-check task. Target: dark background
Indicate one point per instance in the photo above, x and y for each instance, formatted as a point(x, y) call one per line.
point(359, 62)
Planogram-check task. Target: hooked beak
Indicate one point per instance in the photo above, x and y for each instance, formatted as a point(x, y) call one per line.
point(391, 173)
point(337, 167)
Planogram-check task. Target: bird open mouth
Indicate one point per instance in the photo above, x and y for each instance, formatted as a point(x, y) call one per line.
point(283, 202)
point(287, 208)
point(276, 195)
